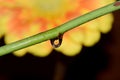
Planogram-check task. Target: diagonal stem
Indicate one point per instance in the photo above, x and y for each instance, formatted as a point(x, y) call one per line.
point(52, 33)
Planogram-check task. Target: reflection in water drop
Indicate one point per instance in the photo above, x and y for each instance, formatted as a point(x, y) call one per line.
point(56, 42)
point(117, 3)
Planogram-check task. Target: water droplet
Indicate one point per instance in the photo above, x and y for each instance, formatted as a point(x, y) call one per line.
point(56, 42)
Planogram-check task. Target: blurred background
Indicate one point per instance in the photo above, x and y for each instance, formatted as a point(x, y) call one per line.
point(100, 62)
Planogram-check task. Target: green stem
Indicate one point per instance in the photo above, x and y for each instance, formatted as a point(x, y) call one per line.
point(50, 34)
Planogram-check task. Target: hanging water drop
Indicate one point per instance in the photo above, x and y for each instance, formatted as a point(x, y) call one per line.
point(56, 42)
